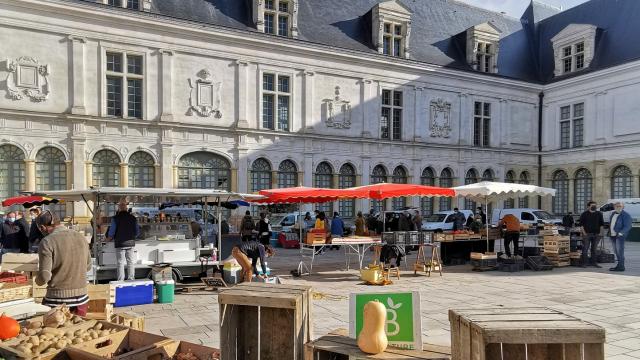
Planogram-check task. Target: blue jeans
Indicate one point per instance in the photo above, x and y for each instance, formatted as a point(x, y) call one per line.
point(618, 249)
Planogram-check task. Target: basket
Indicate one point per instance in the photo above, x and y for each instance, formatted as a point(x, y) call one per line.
point(10, 292)
point(10, 277)
point(538, 263)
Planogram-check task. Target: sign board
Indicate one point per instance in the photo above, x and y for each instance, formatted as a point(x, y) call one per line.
point(404, 323)
point(214, 282)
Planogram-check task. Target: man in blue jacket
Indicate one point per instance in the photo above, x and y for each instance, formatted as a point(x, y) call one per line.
point(619, 230)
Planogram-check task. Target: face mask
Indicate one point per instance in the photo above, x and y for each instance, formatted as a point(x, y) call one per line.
point(593, 208)
point(11, 219)
point(618, 210)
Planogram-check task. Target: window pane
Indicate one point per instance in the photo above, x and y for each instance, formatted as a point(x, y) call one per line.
point(267, 82)
point(486, 131)
point(566, 51)
point(578, 110)
point(487, 48)
point(283, 25)
point(386, 45)
point(579, 47)
point(134, 93)
point(386, 97)
point(134, 64)
point(565, 112)
point(580, 61)
point(114, 3)
point(565, 138)
point(283, 6)
point(114, 62)
point(477, 131)
point(478, 109)
point(133, 4)
point(384, 123)
point(487, 63)
point(582, 190)
point(267, 111)
point(268, 4)
point(621, 183)
point(397, 124)
point(567, 65)
point(387, 28)
point(487, 109)
point(446, 180)
point(114, 96)
point(398, 30)
point(268, 24)
point(578, 133)
point(283, 113)
point(397, 98)
point(283, 84)
point(397, 46)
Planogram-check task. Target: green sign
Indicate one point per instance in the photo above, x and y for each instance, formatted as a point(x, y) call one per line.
point(403, 325)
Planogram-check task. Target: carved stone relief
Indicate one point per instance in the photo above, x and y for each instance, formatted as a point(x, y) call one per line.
point(27, 77)
point(205, 97)
point(338, 111)
point(440, 122)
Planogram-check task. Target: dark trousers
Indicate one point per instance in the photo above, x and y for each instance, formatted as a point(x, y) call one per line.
point(265, 240)
point(247, 237)
point(511, 237)
point(590, 241)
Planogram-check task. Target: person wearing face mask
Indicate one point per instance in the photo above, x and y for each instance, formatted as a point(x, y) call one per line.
point(458, 220)
point(63, 262)
point(621, 223)
point(12, 235)
point(35, 236)
point(592, 222)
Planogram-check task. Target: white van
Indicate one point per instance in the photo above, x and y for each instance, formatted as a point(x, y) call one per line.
point(631, 205)
point(442, 220)
point(526, 216)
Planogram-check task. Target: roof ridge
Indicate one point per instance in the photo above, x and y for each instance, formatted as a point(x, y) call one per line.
point(552, 7)
point(475, 7)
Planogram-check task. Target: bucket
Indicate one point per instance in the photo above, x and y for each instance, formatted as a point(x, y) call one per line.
point(165, 290)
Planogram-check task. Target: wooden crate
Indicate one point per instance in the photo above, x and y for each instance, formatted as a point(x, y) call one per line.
point(99, 309)
point(315, 238)
point(526, 333)
point(264, 321)
point(129, 319)
point(102, 292)
point(125, 344)
point(338, 346)
point(20, 262)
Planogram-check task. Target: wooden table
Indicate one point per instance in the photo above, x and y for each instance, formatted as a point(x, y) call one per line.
point(337, 346)
point(523, 333)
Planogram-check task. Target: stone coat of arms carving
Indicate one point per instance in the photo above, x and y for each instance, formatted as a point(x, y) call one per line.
point(440, 122)
point(205, 96)
point(27, 77)
point(338, 111)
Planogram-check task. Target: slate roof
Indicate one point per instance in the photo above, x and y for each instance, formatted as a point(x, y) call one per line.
point(526, 52)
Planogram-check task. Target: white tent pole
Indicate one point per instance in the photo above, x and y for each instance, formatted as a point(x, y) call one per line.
point(219, 230)
point(486, 213)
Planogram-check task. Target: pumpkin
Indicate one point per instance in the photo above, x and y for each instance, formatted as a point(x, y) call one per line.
point(373, 338)
point(9, 327)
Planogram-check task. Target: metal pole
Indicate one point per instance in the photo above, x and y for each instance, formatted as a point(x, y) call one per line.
point(219, 230)
point(486, 211)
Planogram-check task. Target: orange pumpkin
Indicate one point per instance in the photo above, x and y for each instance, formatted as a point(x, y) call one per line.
point(9, 327)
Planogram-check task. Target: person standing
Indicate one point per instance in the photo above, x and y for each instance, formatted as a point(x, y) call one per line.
point(12, 235)
point(247, 226)
point(621, 223)
point(404, 223)
point(360, 225)
point(24, 228)
point(458, 220)
point(512, 233)
point(337, 228)
point(417, 220)
point(247, 255)
point(567, 220)
point(64, 259)
point(592, 222)
point(483, 216)
point(35, 236)
point(124, 230)
point(264, 229)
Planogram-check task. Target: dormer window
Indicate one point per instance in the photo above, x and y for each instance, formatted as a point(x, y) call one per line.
point(391, 28)
point(573, 48)
point(482, 47)
point(144, 5)
point(277, 17)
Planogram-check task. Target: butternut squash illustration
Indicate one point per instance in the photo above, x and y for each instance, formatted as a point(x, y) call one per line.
point(373, 339)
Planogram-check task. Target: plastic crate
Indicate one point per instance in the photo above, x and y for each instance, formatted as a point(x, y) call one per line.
point(538, 263)
point(388, 237)
point(484, 263)
point(401, 237)
point(425, 237)
point(9, 277)
point(512, 266)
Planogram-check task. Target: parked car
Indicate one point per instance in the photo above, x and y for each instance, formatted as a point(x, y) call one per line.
point(286, 222)
point(526, 216)
point(442, 220)
point(631, 205)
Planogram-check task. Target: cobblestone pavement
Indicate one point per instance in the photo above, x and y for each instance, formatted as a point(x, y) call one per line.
point(611, 300)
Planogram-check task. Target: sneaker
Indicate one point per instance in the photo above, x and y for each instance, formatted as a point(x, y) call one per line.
point(615, 268)
point(618, 269)
point(596, 265)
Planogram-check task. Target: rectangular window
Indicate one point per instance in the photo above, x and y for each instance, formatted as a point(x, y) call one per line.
point(579, 47)
point(396, 47)
point(117, 3)
point(484, 57)
point(572, 126)
point(391, 116)
point(567, 51)
point(567, 65)
point(579, 61)
point(276, 17)
point(133, 4)
point(578, 133)
point(276, 96)
point(482, 124)
point(283, 6)
point(124, 84)
point(487, 63)
point(565, 112)
point(565, 131)
point(268, 24)
point(268, 4)
point(283, 25)
point(392, 40)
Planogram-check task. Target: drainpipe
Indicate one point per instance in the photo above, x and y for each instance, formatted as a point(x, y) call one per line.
point(540, 104)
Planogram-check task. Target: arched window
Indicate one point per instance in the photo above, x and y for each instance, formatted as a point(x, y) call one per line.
point(510, 178)
point(378, 175)
point(428, 178)
point(583, 186)
point(621, 180)
point(560, 182)
point(287, 174)
point(488, 175)
point(323, 178)
point(260, 175)
point(204, 170)
point(142, 170)
point(446, 181)
point(51, 174)
point(12, 171)
point(525, 179)
point(106, 169)
point(470, 178)
point(399, 177)
point(347, 179)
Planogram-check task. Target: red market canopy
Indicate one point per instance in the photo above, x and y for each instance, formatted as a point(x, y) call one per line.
point(29, 201)
point(300, 194)
point(386, 190)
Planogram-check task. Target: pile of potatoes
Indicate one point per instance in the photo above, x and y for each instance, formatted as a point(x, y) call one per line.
point(39, 337)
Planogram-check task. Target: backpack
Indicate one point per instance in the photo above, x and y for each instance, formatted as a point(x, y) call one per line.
point(247, 224)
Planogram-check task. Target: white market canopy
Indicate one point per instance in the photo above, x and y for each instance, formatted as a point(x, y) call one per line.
point(496, 191)
point(114, 194)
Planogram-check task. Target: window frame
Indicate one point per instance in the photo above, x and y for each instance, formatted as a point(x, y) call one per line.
point(571, 129)
point(560, 202)
point(574, 57)
point(482, 124)
point(277, 94)
point(621, 182)
point(393, 134)
point(125, 76)
point(143, 175)
point(485, 58)
point(391, 37)
point(277, 14)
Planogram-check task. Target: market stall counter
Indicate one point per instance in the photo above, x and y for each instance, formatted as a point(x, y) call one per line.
point(352, 245)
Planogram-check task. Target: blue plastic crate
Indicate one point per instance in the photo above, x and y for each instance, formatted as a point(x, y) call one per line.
point(137, 292)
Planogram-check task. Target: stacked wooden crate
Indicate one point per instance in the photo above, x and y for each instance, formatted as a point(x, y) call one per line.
point(101, 300)
point(556, 249)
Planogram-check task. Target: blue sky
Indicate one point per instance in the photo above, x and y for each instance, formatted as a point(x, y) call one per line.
point(515, 8)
